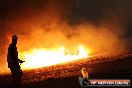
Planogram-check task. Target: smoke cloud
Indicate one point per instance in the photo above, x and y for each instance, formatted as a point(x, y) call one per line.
point(102, 26)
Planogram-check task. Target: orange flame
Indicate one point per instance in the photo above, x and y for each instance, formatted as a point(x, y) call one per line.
point(37, 58)
point(84, 73)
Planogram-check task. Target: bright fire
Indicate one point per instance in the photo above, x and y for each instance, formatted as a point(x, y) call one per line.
point(37, 58)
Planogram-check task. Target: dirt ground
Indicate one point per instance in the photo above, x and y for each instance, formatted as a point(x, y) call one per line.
point(66, 75)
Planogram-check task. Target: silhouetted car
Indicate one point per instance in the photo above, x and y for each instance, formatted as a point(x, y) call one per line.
point(69, 51)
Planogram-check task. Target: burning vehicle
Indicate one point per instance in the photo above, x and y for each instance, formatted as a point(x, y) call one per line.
point(71, 51)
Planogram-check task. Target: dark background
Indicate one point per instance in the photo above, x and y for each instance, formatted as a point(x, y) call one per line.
point(74, 10)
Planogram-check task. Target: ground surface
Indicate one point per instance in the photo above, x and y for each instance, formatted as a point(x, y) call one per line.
point(66, 75)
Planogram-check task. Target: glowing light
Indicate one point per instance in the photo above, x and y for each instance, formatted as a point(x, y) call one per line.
point(37, 58)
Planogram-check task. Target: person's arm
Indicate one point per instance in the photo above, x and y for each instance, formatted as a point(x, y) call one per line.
point(21, 61)
point(9, 57)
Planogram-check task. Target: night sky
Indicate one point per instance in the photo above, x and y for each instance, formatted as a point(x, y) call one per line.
point(93, 11)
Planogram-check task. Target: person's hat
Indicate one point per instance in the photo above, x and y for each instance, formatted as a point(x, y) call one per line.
point(14, 37)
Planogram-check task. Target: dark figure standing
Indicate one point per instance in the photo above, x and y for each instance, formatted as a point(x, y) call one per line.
point(13, 63)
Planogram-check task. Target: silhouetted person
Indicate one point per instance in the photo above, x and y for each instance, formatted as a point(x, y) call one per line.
point(13, 63)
